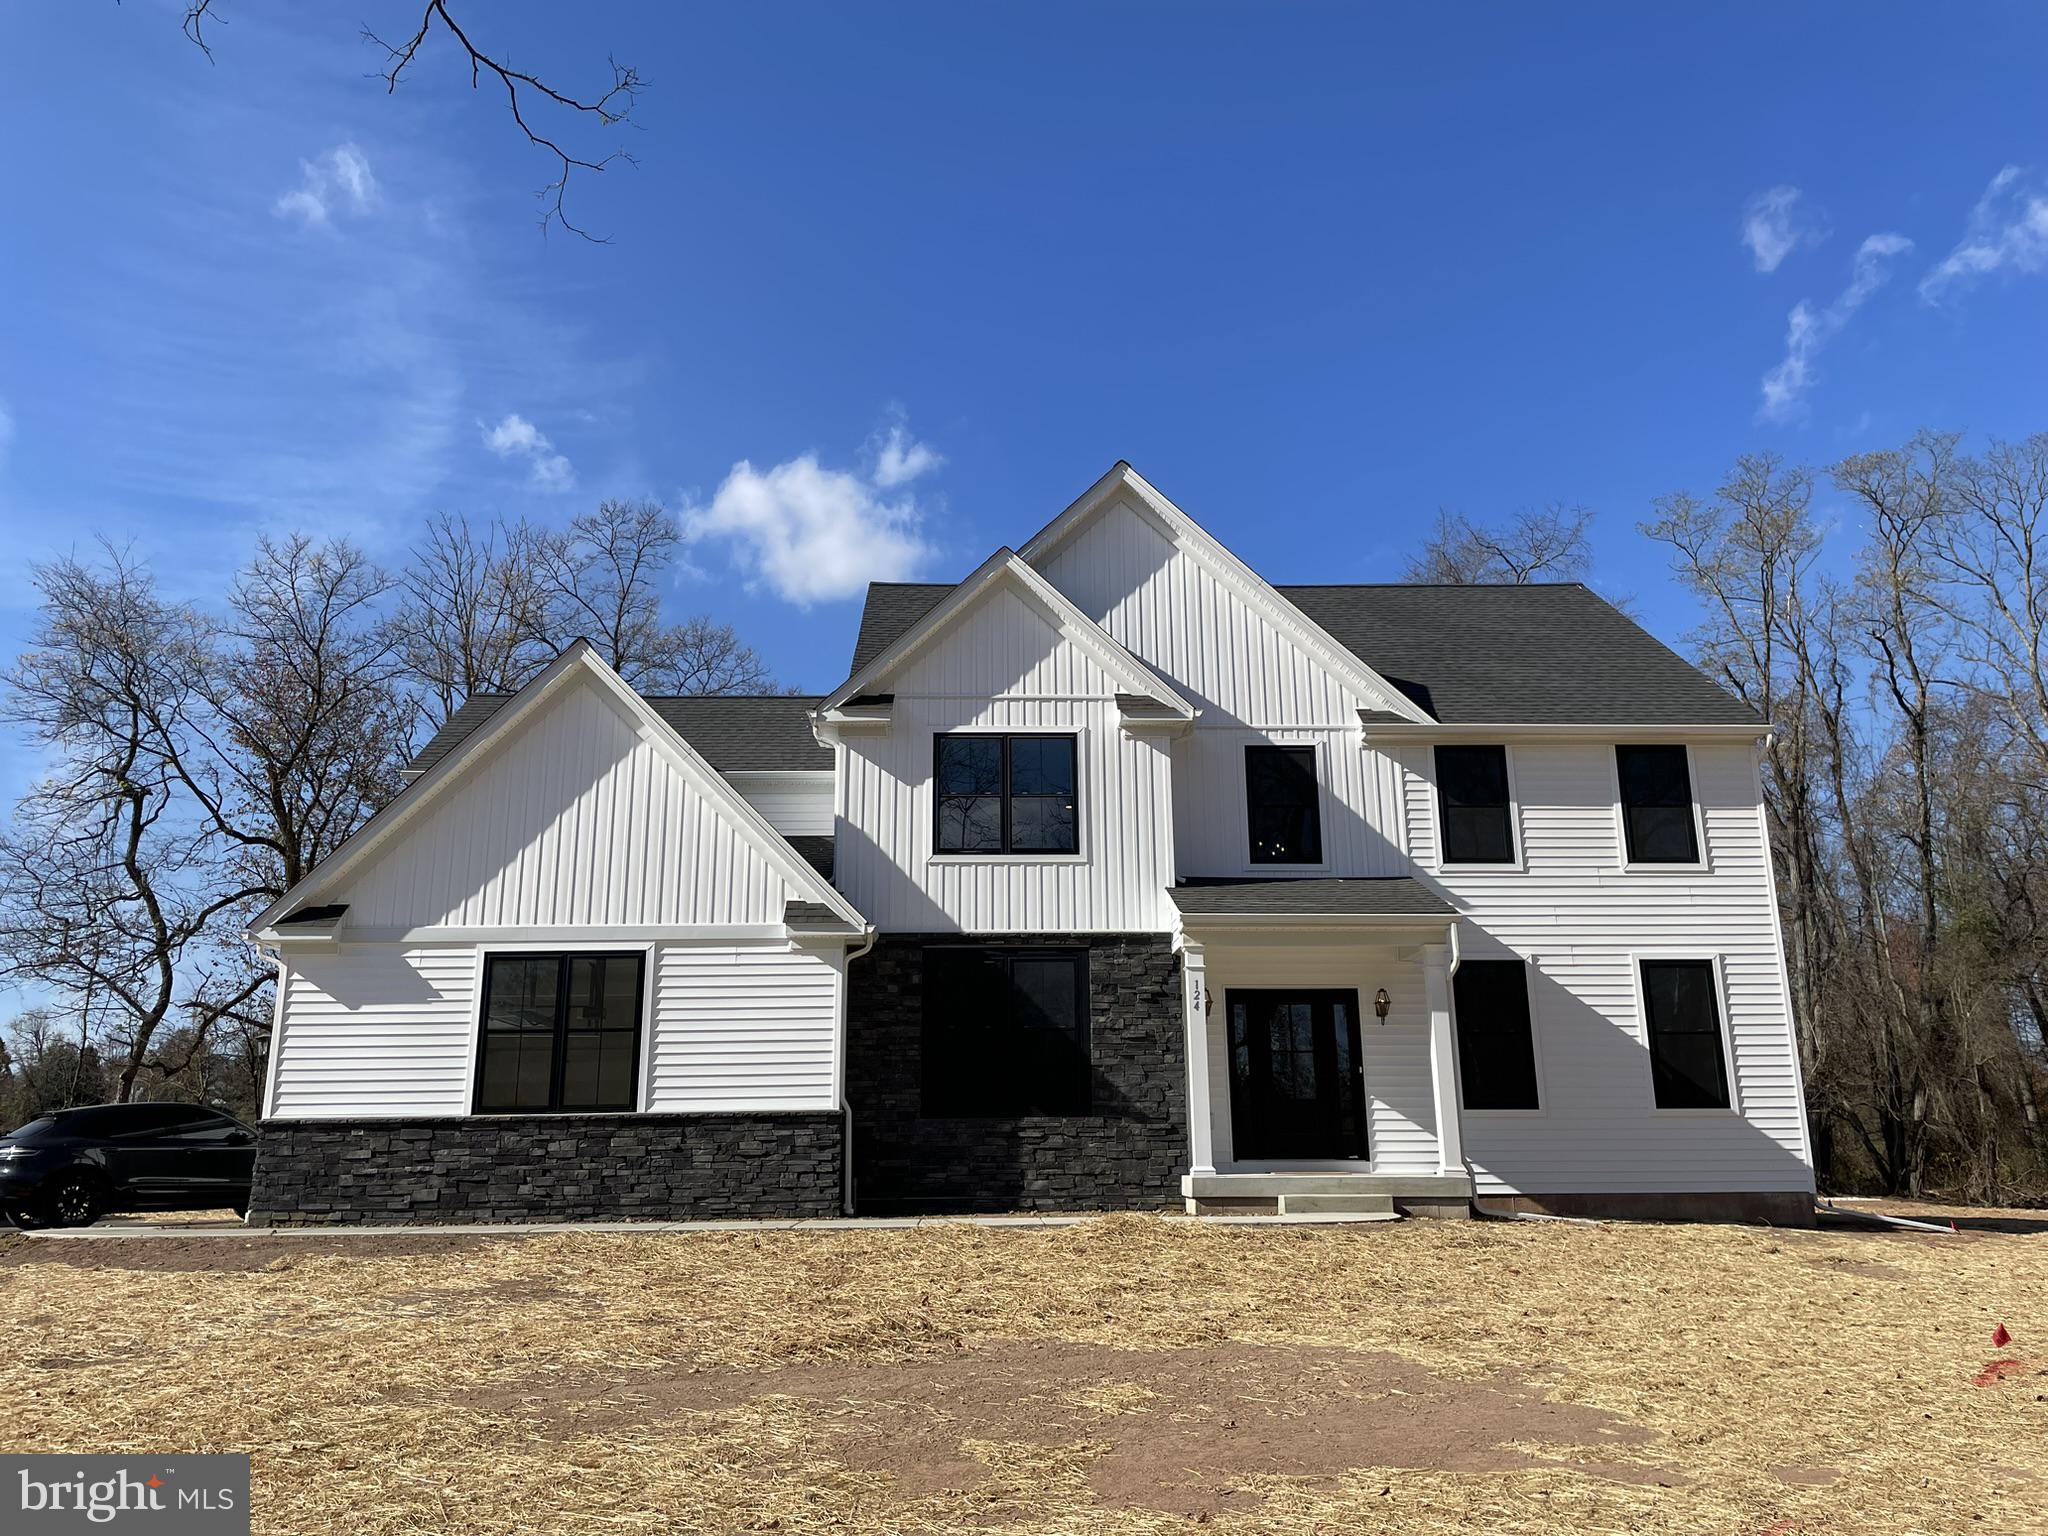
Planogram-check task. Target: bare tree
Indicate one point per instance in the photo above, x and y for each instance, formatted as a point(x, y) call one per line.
point(1551, 544)
point(526, 95)
point(473, 617)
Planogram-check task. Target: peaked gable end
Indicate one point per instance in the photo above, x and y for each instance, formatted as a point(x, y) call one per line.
point(1173, 595)
point(576, 818)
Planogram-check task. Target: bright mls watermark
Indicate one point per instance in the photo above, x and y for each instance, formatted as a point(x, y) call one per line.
point(158, 1495)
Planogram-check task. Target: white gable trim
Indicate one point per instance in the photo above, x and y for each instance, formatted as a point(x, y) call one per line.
point(1004, 568)
point(1247, 583)
point(579, 660)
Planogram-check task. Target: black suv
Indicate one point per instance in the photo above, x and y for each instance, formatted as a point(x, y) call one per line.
point(70, 1167)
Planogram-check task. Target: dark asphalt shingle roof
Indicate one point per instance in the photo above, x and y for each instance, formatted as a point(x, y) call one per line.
point(1392, 896)
point(1491, 655)
point(760, 733)
point(814, 850)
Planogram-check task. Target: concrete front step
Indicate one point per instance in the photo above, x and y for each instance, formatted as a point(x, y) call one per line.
point(1337, 1205)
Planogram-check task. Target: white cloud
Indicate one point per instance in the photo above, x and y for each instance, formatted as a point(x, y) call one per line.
point(338, 182)
point(1775, 223)
point(517, 438)
point(1808, 329)
point(900, 458)
point(813, 534)
point(2008, 231)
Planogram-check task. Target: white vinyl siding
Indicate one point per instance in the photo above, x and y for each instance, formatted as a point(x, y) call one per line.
point(794, 804)
point(577, 820)
point(1586, 922)
point(1402, 1125)
point(384, 1030)
point(1192, 626)
point(745, 1027)
point(1361, 803)
point(375, 1030)
point(1004, 666)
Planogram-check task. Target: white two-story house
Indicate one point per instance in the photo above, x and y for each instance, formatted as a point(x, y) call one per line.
point(1111, 877)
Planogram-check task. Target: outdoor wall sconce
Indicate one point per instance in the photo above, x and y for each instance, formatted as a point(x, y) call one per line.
point(1381, 1003)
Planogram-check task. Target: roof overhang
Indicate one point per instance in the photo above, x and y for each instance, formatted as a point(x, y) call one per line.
point(1380, 729)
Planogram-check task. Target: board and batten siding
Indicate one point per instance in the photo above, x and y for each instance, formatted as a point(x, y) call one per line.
point(1586, 921)
point(1004, 666)
point(1127, 571)
point(577, 820)
point(388, 1030)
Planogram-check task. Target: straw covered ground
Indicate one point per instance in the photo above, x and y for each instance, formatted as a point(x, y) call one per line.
point(1131, 1374)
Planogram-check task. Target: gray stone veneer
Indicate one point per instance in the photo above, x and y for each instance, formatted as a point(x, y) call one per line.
point(1128, 1154)
point(547, 1168)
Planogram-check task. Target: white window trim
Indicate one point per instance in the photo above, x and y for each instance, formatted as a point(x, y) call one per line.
point(1318, 742)
point(1517, 865)
point(1734, 1078)
point(649, 983)
point(1704, 865)
point(1530, 970)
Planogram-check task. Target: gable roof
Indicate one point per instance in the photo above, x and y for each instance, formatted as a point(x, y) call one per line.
point(1005, 568)
point(1488, 655)
point(1223, 565)
point(1520, 655)
point(580, 659)
point(751, 733)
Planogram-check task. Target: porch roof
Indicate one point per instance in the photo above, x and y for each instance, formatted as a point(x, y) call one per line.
point(1386, 896)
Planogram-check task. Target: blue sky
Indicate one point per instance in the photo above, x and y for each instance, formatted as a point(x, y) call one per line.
point(929, 270)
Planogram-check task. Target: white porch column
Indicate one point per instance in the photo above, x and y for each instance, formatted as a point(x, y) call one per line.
point(1443, 1061)
point(1201, 1108)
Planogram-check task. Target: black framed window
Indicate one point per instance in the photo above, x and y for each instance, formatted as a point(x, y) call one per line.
point(561, 1032)
point(1683, 1015)
point(1005, 1032)
point(1496, 1045)
point(1004, 794)
point(1282, 807)
point(1473, 805)
point(1656, 805)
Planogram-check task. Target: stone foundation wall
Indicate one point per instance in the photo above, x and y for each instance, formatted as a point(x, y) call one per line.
point(1127, 1154)
point(508, 1168)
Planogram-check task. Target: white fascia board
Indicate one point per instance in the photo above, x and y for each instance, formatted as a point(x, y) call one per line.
point(1230, 570)
point(1004, 566)
point(1437, 731)
point(579, 658)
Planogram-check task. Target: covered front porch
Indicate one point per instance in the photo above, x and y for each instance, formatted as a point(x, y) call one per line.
point(1322, 1075)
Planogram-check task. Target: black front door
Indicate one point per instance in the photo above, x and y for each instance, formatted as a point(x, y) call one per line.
point(1296, 1086)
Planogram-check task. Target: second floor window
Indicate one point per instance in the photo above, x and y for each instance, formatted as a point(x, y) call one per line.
point(1282, 807)
point(1004, 794)
point(1656, 805)
point(1473, 805)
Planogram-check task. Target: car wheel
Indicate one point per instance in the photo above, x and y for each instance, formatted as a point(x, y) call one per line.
point(72, 1202)
point(24, 1219)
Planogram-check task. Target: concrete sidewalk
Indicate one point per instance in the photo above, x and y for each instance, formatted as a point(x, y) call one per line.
point(144, 1229)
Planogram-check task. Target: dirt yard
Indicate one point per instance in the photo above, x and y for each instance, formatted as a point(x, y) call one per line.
point(1126, 1375)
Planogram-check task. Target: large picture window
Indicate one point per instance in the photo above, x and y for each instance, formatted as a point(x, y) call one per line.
point(1474, 806)
point(1282, 807)
point(1496, 1047)
point(1004, 794)
point(561, 1032)
point(1005, 1032)
point(1687, 1067)
point(1656, 805)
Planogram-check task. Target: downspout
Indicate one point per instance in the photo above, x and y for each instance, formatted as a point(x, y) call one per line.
point(845, 1103)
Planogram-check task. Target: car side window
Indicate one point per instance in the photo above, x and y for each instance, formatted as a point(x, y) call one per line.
point(144, 1120)
point(214, 1131)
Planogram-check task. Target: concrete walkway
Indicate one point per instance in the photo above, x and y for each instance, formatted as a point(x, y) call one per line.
point(141, 1228)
